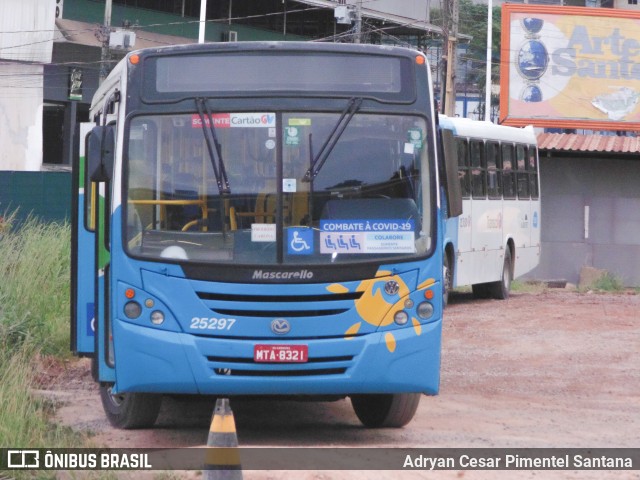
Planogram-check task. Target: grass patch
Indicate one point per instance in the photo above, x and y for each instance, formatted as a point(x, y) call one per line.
point(24, 416)
point(528, 286)
point(34, 320)
point(34, 293)
point(608, 282)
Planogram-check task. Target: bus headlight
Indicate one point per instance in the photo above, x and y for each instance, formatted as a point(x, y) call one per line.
point(401, 317)
point(425, 310)
point(157, 317)
point(132, 309)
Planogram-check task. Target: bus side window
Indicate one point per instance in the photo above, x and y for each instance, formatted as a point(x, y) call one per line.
point(532, 166)
point(508, 174)
point(522, 175)
point(478, 169)
point(464, 174)
point(90, 195)
point(493, 165)
point(90, 203)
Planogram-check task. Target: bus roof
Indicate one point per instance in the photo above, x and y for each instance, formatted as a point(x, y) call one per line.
point(236, 69)
point(113, 81)
point(277, 45)
point(465, 127)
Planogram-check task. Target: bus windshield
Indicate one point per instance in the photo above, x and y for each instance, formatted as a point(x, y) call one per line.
point(365, 200)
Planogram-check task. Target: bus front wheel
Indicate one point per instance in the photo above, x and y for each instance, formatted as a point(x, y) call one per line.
point(447, 279)
point(385, 410)
point(130, 410)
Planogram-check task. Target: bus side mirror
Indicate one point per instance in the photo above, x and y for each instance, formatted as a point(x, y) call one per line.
point(451, 181)
point(101, 144)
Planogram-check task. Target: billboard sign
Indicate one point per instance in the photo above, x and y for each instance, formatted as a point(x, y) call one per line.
point(570, 67)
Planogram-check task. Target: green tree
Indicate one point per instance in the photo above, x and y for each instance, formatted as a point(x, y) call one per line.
point(472, 25)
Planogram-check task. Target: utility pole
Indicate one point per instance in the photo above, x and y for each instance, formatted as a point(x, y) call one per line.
point(203, 20)
point(487, 83)
point(452, 40)
point(105, 32)
point(358, 26)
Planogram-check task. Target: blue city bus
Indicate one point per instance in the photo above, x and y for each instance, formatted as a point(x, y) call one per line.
point(259, 219)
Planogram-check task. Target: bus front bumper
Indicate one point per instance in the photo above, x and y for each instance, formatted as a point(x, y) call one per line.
point(394, 361)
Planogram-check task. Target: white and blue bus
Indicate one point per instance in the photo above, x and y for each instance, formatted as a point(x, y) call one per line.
point(497, 236)
point(262, 219)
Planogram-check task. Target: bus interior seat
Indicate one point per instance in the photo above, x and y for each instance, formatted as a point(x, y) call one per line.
point(185, 187)
point(295, 208)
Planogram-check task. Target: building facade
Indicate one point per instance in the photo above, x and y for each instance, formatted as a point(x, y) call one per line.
point(590, 199)
point(26, 44)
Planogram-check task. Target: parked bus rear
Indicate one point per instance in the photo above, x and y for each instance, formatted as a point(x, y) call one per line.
point(497, 237)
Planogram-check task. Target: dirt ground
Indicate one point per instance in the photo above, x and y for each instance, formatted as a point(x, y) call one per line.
point(550, 368)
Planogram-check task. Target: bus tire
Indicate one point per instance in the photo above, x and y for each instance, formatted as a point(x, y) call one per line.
point(130, 410)
point(500, 289)
point(447, 279)
point(385, 410)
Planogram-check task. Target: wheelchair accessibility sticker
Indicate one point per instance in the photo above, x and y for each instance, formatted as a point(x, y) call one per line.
point(300, 241)
point(366, 236)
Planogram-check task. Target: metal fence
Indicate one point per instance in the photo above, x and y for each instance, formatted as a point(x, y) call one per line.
point(45, 195)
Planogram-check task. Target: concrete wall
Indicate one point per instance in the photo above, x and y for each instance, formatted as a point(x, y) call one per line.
point(416, 9)
point(26, 30)
point(26, 35)
point(590, 217)
point(21, 117)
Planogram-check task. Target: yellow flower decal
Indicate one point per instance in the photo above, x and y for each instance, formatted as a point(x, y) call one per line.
point(352, 330)
point(390, 340)
point(376, 307)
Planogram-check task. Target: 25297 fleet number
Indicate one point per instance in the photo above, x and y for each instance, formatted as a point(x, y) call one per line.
point(212, 323)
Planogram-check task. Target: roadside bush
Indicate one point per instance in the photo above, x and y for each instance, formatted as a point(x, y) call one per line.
point(608, 283)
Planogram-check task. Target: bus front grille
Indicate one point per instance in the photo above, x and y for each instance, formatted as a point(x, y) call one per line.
point(278, 373)
point(247, 367)
point(228, 297)
point(312, 305)
point(278, 313)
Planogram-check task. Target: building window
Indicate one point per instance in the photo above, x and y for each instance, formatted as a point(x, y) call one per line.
point(52, 133)
point(57, 124)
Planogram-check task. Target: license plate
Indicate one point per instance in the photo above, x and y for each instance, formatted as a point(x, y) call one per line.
point(280, 353)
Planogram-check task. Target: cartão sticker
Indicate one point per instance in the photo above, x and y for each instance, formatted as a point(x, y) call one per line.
point(236, 120)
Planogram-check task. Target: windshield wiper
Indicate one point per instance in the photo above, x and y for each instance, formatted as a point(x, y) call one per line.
point(327, 147)
point(215, 153)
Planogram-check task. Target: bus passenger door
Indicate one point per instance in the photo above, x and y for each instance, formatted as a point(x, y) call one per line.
point(92, 335)
point(82, 255)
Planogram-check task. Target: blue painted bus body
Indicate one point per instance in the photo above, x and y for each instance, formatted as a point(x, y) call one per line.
point(347, 353)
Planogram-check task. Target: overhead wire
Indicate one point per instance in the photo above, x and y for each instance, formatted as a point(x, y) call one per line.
point(348, 34)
